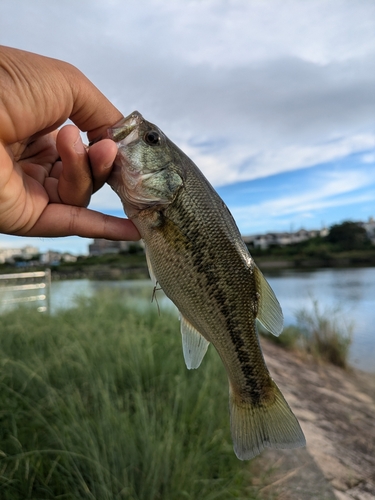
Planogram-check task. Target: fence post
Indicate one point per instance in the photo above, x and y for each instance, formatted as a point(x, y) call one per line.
point(42, 285)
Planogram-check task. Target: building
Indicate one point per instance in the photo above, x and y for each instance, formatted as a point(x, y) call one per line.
point(10, 254)
point(101, 246)
point(267, 240)
point(54, 258)
point(369, 226)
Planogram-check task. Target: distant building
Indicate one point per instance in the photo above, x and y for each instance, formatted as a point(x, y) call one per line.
point(101, 246)
point(54, 258)
point(267, 240)
point(369, 226)
point(25, 253)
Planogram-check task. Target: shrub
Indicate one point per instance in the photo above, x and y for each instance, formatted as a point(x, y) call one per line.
point(324, 335)
point(289, 338)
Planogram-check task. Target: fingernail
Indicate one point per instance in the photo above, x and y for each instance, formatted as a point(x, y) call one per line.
point(78, 146)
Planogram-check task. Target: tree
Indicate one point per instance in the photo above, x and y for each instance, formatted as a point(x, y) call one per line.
point(348, 235)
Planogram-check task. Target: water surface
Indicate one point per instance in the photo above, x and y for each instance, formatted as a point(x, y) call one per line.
point(349, 292)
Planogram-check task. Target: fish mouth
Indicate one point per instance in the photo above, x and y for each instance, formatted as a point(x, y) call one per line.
point(123, 133)
point(126, 129)
point(123, 130)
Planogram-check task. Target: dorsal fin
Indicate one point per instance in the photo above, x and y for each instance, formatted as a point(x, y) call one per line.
point(269, 311)
point(194, 345)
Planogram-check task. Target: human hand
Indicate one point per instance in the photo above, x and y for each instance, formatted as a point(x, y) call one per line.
point(47, 175)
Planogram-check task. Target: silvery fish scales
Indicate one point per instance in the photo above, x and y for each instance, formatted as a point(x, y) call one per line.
point(196, 254)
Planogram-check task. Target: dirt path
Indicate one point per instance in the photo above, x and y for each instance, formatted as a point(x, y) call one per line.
point(336, 410)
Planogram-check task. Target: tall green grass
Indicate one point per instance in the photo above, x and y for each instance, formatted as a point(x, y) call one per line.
point(96, 403)
point(323, 333)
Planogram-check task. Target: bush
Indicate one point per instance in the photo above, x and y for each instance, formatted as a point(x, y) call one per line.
point(349, 236)
point(289, 339)
point(322, 334)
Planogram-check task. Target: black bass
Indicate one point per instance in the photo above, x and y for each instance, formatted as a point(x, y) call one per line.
point(195, 253)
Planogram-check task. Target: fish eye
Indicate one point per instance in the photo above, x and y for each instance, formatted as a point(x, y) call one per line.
point(152, 137)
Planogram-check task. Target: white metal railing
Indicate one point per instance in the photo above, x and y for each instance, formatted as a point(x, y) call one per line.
point(13, 286)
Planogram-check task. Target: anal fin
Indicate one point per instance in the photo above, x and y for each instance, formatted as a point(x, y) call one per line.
point(194, 345)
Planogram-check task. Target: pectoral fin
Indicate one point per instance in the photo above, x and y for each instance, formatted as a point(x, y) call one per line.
point(269, 311)
point(150, 270)
point(194, 345)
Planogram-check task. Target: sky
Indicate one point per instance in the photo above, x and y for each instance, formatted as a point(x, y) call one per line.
point(274, 100)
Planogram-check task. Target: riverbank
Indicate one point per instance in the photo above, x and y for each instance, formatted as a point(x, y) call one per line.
point(134, 266)
point(140, 270)
point(347, 259)
point(336, 410)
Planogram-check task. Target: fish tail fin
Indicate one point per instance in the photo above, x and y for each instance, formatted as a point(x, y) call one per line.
point(269, 424)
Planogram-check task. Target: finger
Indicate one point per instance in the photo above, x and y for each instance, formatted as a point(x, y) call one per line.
point(51, 186)
point(102, 155)
point(75, 181)
point(64, 220)
point(56, 171)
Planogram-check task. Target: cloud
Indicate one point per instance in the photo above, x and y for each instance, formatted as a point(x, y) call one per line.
point(368, 158)
point(248, 91)
point(269, 162)
point(326, 190)
point(222, 33)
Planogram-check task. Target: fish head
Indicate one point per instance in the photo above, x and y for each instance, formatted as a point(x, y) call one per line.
point(147, 170)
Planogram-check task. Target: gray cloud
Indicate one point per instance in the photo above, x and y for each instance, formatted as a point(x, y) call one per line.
point(234, 82)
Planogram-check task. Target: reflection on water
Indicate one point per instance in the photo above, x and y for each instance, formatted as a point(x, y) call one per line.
point(351, 291)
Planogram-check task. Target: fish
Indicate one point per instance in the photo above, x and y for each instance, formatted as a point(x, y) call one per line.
point(195, 253)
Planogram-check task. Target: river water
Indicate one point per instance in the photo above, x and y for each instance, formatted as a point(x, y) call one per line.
point(347, 293)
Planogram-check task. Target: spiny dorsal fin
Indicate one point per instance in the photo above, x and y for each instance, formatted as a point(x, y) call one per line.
point(194, 345)
point(269, 311)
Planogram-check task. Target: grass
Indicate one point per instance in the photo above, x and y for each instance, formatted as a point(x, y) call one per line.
point(323, 334)
point(96, 403)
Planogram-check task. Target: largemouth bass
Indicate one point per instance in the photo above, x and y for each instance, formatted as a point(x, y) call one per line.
point(196, 254)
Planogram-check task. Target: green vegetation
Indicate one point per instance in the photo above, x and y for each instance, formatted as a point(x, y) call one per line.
point(346, 244)
point(348, 236)
point(323, 334)
point(96, 403)
point(289, 339)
